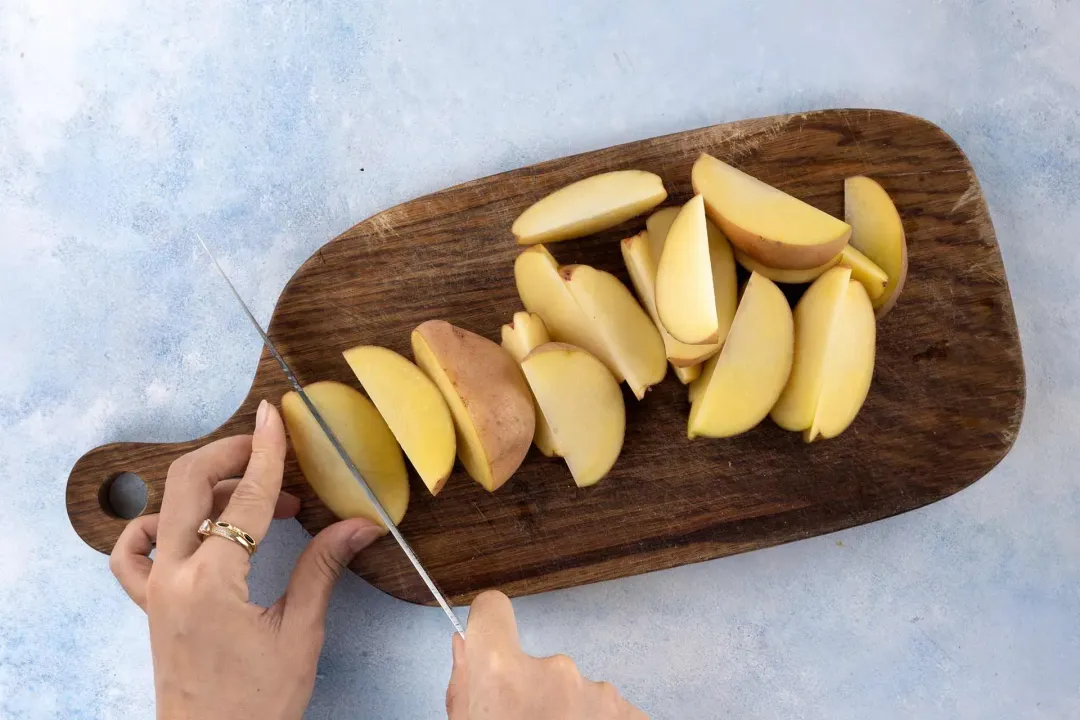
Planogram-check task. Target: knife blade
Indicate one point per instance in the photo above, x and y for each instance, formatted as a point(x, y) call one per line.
point(379, 509)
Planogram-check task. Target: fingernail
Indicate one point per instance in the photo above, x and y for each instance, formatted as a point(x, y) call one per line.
point(364, 537)
point(260, 416)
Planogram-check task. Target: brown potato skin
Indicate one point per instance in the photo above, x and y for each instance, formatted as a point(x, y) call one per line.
point(776, 254)
point(493, 390)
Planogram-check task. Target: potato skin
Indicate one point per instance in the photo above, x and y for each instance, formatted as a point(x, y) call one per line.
point(492, 389)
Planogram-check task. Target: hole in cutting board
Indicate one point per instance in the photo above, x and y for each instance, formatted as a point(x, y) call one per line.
point(123, 496)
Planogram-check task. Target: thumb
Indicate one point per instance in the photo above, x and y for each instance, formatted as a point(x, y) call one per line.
point(457, 692)
point(318, 569)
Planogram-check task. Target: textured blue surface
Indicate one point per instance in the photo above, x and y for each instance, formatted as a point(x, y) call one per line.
point(128, 125)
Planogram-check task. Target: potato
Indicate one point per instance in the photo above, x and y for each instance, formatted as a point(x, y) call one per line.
point(767, 224)
point(622, 325)
point(870, 275)
point(413, 409)
point(487, 395)
point(658, 224)
point(589, 206)
point(878, 233)
point(639, 262)
point(584, 404)
point(863, 269)
point(366, 438)
point(787, 277)
point(526, 333)
point(739, 386)
point(685, 300)
point(544, 293)
point(850, 368)
point(834, 357)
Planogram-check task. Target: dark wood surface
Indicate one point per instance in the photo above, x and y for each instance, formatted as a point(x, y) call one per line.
point(944, 408)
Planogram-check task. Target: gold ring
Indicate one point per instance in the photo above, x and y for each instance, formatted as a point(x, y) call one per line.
point(229, 532)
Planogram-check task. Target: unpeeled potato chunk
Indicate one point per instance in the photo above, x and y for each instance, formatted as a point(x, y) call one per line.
point(776, 229)
point(589, 206)
point(834, 357)
point(583, 403)
point(366, 439)
point(487, 396)
point(413, 409)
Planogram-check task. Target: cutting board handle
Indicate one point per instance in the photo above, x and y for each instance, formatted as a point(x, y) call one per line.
point(90, 481)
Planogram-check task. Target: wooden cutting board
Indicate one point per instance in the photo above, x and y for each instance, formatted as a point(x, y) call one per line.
point(944, 408)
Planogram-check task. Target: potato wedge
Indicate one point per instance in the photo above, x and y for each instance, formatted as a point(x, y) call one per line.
point(487, 396)
point(543, 292)
point(526, 333)
point(739, 386)
point(767, 224)
point(866, 271)
point(412, 407)
point(787, 277)
point(589, 206)
point(878, 233)
point(366, 438)
point(623, 326)
point(834, 357)
point(637, 255)
point(585, 406)
point(685, 299)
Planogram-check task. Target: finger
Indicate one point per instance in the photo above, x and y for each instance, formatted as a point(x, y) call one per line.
point(251, 506)
point(457, 691)
point(287, 505)
point(492, 628)
point(318, 569)
point(189, 492)
point(130, 560)
point(602, 700)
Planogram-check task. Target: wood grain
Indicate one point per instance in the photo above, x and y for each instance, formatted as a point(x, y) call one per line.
point(944, 408)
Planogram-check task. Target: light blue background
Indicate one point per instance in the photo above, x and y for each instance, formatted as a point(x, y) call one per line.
point(128, 125)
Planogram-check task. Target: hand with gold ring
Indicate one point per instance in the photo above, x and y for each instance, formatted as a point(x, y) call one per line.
point(215, 653)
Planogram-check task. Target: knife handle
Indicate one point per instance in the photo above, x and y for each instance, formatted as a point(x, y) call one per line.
point(90, 481)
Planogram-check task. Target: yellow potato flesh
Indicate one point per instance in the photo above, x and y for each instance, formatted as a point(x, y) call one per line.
point(739, 386)
point(658, 224)
point(637, 255)
point(863, 269)
point(815, 315)
point(544, 293)
point(589, 206)
point(487, 396)
point(585, 406)
point(526, 333)
point(721, 257)
point(849, 365)
point(367, 440)
point(412, 407)
point(685, 300)
point(725, 281)
point(878, 233)
point(687, 375)
point(771, 226)
point(621, 323)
